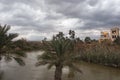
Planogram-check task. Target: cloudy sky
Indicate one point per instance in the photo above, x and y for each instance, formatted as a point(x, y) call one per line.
point(36, 19)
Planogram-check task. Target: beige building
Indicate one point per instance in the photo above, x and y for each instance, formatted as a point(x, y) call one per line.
point(114, 32)
point(104, 36)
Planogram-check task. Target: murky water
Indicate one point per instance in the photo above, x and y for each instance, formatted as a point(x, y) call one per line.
point(12, 71)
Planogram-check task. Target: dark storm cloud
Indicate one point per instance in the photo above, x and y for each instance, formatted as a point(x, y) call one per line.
point(64, 1)
point(55, 15)
point(10, 2)
point(92, 2)
point(24, 16)
point(94, 12)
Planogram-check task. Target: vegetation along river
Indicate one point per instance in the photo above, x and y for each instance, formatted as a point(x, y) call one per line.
point(12, 71)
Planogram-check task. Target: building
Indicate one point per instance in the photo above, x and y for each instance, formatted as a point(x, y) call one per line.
point(114, 33)
point(104, 36)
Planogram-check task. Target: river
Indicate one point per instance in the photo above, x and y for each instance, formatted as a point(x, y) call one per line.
point(12, 71)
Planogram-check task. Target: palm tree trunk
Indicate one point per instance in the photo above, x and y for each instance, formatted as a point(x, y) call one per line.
point(58, 72)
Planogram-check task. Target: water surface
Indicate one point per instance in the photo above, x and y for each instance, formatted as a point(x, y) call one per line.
point(12, 71)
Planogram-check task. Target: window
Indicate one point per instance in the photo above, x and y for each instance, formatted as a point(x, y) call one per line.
point(114, 31)
point(113, 36)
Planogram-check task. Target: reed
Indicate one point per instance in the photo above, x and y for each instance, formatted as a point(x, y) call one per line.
point(102, 54)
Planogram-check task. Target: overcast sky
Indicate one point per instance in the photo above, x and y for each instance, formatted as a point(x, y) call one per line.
point(36, 19)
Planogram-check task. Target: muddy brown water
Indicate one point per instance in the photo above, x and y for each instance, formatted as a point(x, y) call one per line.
point(12, 71)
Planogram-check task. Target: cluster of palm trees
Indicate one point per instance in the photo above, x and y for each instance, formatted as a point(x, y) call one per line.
point(58, 52)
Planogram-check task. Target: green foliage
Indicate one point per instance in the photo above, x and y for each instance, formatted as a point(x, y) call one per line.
point(19, 60)
point(6, 46)
point(23, 44)
point(59, 52)
point(5, 38)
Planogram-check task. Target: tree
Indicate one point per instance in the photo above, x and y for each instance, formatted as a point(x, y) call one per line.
point(87, 40)
point(72, 34)
point(7, 51)
point(22, 44)
point(59, 53)
point(79, 40)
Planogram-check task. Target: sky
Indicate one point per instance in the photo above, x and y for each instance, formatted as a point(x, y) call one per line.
point(37, 19)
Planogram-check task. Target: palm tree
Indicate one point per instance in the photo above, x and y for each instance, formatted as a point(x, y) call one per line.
point(7, 51)
point(59, 53)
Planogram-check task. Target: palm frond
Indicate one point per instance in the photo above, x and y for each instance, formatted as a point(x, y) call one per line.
point(19, 61)
point(13, 35)
point(4, 29)
point(7, 58)
point(50, 65)
point(39, 63)
point(6, 43)
point(19, 53)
